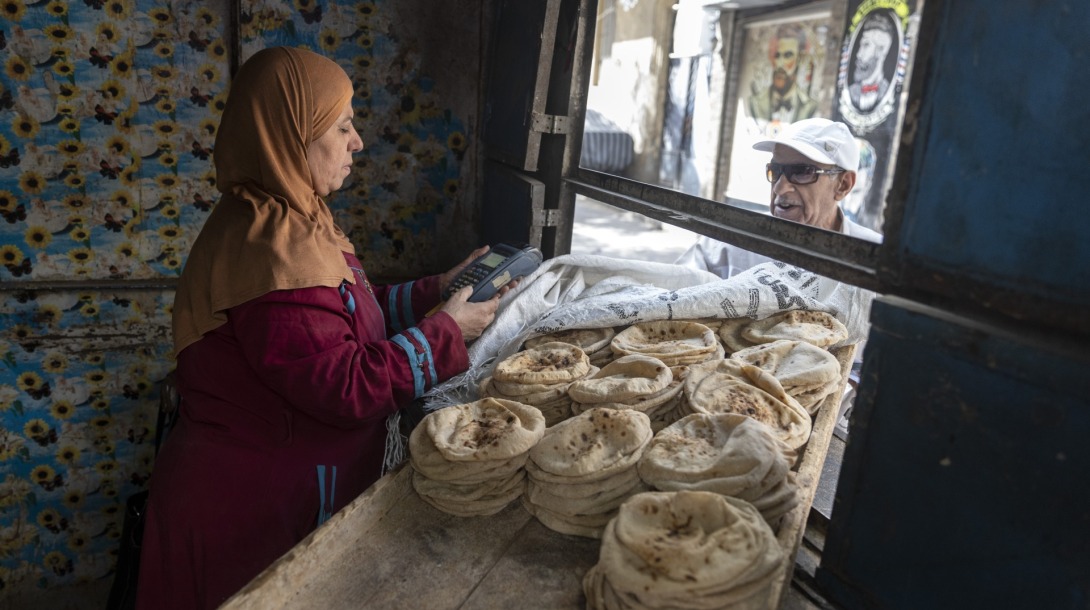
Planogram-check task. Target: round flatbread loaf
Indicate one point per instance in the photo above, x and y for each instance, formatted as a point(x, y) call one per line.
point(623, 379)
point(731, 386)
point(593, 445)
point(807, 372)
point(727, 454)
point(730, 334)
point(486, 429)
point(685, 550)
point(589, 340)
point(672, 342)
point(796, 364)
point(816, 327)
point(548, 363)
point(736, 451)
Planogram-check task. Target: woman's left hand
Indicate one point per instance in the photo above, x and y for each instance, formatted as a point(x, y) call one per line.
point(446, 278)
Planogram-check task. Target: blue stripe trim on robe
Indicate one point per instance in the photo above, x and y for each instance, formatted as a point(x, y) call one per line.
point(415, 332)
point(415, 362)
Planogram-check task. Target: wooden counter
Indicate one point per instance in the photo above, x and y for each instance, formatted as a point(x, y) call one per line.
point(390, 549)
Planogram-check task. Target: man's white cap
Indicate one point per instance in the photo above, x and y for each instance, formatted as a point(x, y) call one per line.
point(819, 140)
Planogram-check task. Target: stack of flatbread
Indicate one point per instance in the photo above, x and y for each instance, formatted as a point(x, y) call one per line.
point(584, 468)
point(684, 549)
point(593, 341)
point(539, 377)
point(676, 343)
point(730, 336)
point(727, 454)
point(815, 327)
point(639, 382)
point(470, 459)
point(807, 372)
point(732, 386)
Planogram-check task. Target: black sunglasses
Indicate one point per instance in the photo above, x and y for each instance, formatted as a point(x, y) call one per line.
point(797, 173)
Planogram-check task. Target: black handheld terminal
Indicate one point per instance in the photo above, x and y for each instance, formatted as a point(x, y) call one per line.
point(495, 269)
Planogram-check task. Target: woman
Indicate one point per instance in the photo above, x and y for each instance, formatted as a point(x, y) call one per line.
point(288, 360)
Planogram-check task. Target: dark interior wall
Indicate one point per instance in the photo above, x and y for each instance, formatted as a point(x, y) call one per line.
point(108, 114)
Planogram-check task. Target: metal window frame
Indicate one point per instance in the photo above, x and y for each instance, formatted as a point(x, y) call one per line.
point(834, 255)
point(831, 254)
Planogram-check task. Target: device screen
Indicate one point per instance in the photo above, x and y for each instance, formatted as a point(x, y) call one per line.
point(492, 259)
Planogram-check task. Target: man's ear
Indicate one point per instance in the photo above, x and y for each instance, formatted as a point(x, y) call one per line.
point(844, 185)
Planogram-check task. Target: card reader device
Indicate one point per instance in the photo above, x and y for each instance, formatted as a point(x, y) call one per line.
point(495, 269)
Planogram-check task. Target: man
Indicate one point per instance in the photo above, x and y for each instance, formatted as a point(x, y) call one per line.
point(814, 164)
point(813, 168)
point(869, 82)
point(783, 101)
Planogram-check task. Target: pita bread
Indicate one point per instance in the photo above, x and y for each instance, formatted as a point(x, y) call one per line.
point(731, 386)
point(685, 550)
point(595, 503)
point(623, 379)
point(728, 454)
point(587, 526)
point(730, 334)
point(807, 372)
point(485, 505)
point(672, 342)
point(593, 445)
point(812, 399)
point(652, 404)
point(793, 363)
point(427, 460)
point(734, 449)
point(816, 327)
point(491, 388)
point(466, 493)
point(548, 363)
point(568, 488)
point(587, 339)
point(468, 459)
point(486, 429)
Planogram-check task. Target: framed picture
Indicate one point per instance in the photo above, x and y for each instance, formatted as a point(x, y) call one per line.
point(783, 77)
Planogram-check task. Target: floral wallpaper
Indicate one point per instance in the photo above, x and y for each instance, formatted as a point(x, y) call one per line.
point(108, 116)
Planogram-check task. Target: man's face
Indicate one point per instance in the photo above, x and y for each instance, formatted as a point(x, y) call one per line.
point(873, 46)
point(812, 204)
point(785, 64)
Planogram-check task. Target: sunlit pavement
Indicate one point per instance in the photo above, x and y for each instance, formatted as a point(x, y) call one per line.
point(609, 231)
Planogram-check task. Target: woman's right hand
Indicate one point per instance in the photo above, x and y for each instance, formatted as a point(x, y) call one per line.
point(472, 318)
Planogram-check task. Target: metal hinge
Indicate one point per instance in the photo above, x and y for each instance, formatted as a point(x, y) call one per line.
point(549, 123)
point(545, 218)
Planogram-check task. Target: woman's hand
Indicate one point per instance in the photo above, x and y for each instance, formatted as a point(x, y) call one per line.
point(446, 278)
point(472, 318)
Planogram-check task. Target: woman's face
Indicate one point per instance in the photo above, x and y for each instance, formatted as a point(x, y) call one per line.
point(330, 156)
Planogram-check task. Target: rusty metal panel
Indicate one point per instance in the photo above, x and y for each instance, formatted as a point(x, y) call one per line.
point(518, 79)
point(512, 206)
point(964, 477)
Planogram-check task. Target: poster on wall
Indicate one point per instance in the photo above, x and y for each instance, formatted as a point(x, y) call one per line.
point(874, 62)
point(781, 81)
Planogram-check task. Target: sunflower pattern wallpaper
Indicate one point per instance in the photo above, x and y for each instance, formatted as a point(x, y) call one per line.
point(108, 117)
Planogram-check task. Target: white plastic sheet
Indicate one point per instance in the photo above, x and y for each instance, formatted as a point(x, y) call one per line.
point(585, 291)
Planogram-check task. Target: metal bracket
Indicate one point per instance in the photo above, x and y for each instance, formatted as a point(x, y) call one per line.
point(549, 123)
point(545, 218)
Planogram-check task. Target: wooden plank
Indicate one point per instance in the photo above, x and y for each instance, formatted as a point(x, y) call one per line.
point(389, 547)
point(543, 570)
point(809, 475)
point(386, 547)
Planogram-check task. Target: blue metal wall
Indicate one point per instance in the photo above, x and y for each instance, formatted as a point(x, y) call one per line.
point(964, 480)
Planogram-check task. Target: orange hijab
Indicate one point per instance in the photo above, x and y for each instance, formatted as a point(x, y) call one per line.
point(270, 230)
